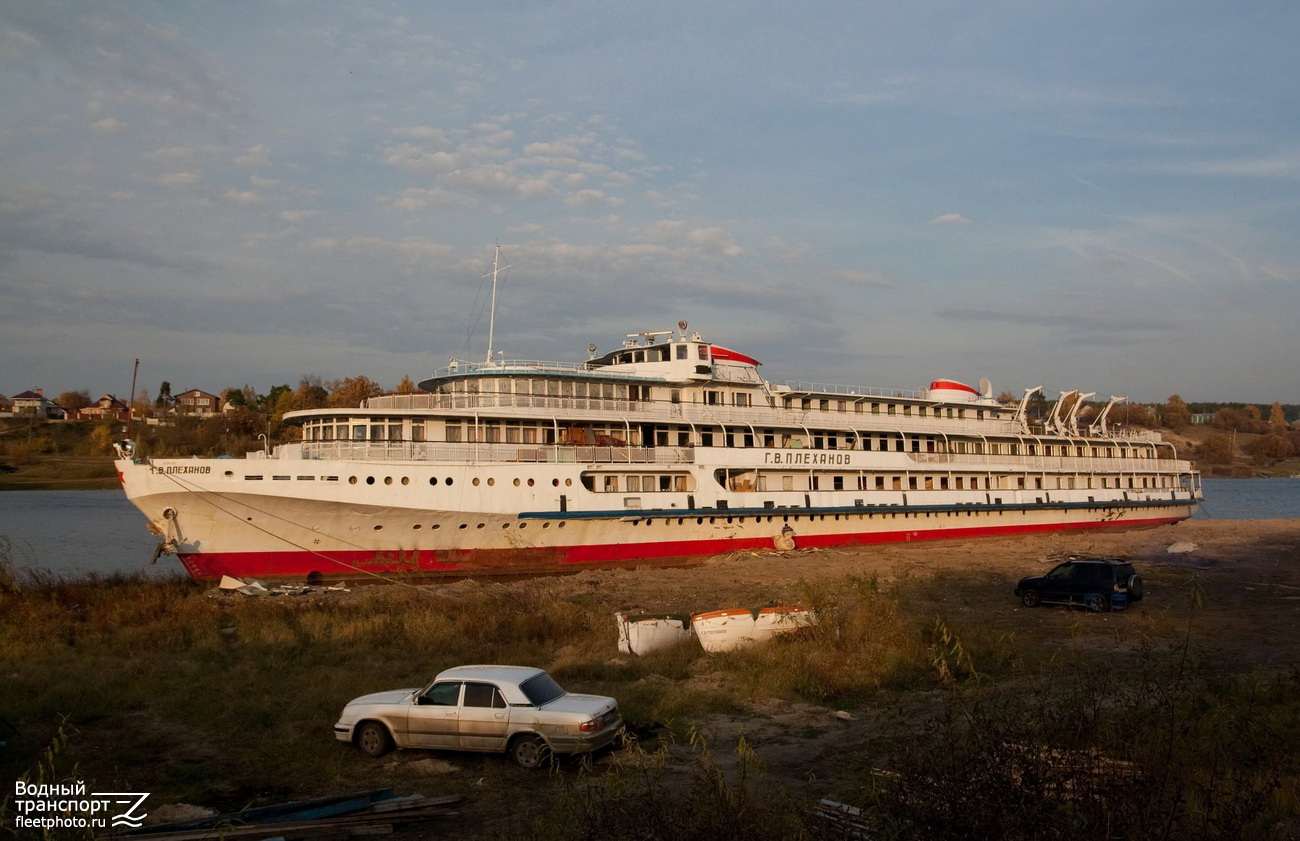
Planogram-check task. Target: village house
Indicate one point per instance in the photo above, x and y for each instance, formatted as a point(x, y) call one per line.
point(107, 406)
point(197, 402)
point(34, 402)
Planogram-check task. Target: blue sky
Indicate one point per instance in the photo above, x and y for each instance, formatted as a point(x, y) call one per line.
point(1096, 195)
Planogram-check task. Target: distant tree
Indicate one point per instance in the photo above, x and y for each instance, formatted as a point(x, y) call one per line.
point(235, 397)
point(231, 433)
point(140, 406)
point(1228, 418)
point(1268, 448)
point(102, 437)
point(164, 399)
point(1254, 418)
point(406, 386)
point(349, 392)
point(268, 402)
point(1006, 398)
point(1175, 414)
point(74, 400)
point(1276, 416)
point(1216, 449)
point(1134, 414)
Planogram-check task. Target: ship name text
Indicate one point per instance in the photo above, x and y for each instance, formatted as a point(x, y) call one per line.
point(801, 458)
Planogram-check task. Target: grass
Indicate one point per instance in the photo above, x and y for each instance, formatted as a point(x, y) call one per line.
point(223, 700)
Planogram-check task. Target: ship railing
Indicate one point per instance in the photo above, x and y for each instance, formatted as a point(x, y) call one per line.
point(759, 417)
point(482, 453)
point(793, 388)
point(1053, 464)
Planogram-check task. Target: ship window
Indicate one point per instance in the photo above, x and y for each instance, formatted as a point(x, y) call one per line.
point(358, 433)
point(665, 483)
point(837, 483)
point(679, 483)
point(681, 351)
point(823, 405)
point(704, 353)
point(611, 484)
point(634, 484)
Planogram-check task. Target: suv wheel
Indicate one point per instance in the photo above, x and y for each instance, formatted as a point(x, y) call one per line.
point(1031, 598)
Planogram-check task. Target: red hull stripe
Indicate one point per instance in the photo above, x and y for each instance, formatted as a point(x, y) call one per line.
point(363, 564)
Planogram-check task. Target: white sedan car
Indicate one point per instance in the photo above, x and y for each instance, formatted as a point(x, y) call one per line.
point(502, 709)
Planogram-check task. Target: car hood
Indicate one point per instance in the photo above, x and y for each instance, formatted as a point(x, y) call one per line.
point(392, 696)
point(1033, 579)
point(573, 702)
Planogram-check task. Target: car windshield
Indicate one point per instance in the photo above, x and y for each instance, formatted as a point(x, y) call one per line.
point(541, 689)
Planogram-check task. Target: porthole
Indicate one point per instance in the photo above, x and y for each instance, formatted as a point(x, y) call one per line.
point(491, 481)
point(546, 525)
point(433, 480)
point(448, 480)
point(379, 528)
point(230, 473)
point(561, 525)
point(555, 483)
point(568, 482)
point(523, 525)
point(435, 527)
point(463, 526)
point(406, 480)
point(352, 480)
point(516, 481)
point(417, 527)
point(480, 525)
point(388, 480)
point(370, 480)
point(699, 521)
point(505, 525)
point(530, 483)
point(476, 481)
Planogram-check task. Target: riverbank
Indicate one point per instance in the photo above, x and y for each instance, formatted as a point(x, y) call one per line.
point(223, 700)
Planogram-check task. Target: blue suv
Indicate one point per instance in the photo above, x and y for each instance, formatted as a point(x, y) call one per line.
point(1093, 583)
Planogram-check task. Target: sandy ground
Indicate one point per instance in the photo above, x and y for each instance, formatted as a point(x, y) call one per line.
point(1246, 572)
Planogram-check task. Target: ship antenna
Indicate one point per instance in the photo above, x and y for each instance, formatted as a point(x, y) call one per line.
point(492, 316)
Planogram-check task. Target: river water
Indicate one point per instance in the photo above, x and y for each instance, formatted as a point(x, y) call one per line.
point(71, 533)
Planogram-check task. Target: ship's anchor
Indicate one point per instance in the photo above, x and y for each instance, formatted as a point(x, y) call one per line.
point(169, 544)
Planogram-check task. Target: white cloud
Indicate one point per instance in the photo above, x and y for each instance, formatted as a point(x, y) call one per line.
point(253, 156)
point(295, 217)
point(949, 219)
point(180, 180)
point(108, 125)
point(715, 240)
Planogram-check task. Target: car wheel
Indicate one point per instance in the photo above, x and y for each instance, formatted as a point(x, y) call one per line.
point(1135, 588)
point(1097, 603)
point(530, 752)
point(1031, 598)
point(373, 739)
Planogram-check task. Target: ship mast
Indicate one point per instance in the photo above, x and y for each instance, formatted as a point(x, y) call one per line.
point(492, 317)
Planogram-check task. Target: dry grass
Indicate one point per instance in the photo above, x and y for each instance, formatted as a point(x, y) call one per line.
point(222, 699)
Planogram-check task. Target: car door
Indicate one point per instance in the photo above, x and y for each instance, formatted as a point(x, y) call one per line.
point(484, 718)
point(434, 719)
point(1059, 584)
